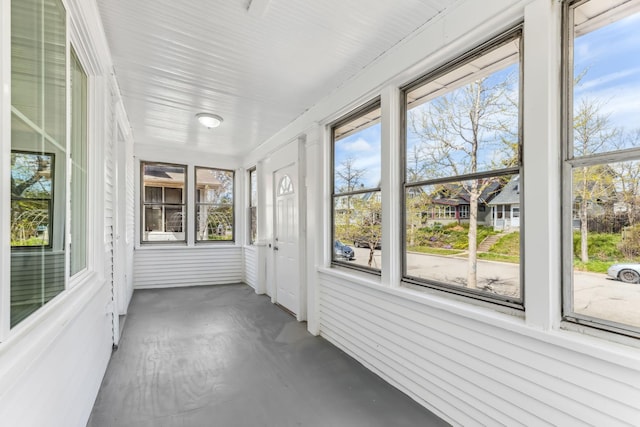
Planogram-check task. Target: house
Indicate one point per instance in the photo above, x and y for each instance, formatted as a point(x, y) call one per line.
point(165, 144)
point(451, 203)
point(505, 206)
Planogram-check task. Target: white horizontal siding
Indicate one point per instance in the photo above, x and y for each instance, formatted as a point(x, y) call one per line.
point(251, 266)
point(470, 372)
point(187, 266)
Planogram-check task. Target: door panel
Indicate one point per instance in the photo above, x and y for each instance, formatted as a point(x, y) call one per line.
point(286, 239)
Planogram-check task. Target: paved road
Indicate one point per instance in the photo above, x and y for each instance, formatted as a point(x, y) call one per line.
point(594, 295)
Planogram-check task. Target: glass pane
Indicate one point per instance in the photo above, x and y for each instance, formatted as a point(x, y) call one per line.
point(214, 222)
point(30, 223)
point(78, 166)
point(606, 242)
point(38, 140)
point(455, 235)
point(163, 223)
point(55, 43)
point(164, 187)
point(26, 59)
point(173, 195)
point(606, 79)
point(253, 188)
point(253, 226)
point(153, 194)
point(357, 229)
point(465, 121)
point(214, 212)
point(357, 153)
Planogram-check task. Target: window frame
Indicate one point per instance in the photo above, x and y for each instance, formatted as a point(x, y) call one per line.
point(362, 110)
point(196, 204)
point(570, 161)
point(512, 34)
point(49, 245)
point(184, 204)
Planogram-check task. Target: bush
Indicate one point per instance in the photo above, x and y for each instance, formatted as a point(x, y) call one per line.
point(630, 244)
point(450, 236)
point(601, 246)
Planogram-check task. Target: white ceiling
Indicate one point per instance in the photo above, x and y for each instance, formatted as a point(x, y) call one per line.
point(258, 66)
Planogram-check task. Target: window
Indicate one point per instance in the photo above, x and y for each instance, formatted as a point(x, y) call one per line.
point(253, 206)
point(78, 154)
point(357, 207)
point(602, 165)
point(164, 202)
point(38, 154)
point(462, 148)
point(214, 205)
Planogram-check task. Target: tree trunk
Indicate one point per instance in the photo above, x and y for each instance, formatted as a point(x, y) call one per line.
point(370, 254)
point(584, 229)
point(584, 232)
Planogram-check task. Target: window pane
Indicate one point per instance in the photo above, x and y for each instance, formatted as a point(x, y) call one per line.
point(163, 217)
point(606, 79)
point(253, 206)
point(78, 166)
point(153, 194)
point(444, 247)
point(214, 208)
point(606, 241)
point(465, 121)
point(358, 229)
point(215, 222)
point(38, 158)
point(357, 153)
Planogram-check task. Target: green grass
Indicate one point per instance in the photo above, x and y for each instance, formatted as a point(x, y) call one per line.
point(450, 236)
point(594, 265)
point(488, 256)
point(507, 245)
point(434, 251)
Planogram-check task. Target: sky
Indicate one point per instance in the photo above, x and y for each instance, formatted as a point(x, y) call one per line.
point(611, 56)
point(365, 149)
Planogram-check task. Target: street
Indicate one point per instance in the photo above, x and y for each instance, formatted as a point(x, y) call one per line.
point(594, 295)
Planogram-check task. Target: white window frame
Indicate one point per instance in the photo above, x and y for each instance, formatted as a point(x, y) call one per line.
point(569, 162)
point(516, 32)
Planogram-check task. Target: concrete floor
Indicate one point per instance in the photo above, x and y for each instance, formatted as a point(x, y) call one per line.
point(224, 356)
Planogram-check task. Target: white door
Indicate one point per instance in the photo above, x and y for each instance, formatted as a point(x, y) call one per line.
point(286, 239)
point(515, 216)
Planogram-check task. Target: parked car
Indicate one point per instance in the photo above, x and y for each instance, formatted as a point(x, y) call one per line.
point(628, 273)
point(342, 251)
point(363, 242)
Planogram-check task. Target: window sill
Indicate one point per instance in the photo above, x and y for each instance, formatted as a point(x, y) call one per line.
point(183, 246)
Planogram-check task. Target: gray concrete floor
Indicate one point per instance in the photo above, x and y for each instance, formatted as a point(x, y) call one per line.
point(224, 356)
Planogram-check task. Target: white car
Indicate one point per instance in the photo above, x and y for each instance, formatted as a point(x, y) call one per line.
point(628, 273)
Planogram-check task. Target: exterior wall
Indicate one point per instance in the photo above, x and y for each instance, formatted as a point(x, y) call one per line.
point(166, 267)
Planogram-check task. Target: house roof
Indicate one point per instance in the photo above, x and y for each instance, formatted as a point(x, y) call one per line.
point(461, 194)
point(510, 194)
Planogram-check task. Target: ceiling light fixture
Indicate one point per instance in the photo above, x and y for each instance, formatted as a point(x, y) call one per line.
point(209, 120)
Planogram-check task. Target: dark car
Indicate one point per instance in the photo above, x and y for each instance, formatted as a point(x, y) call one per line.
point(342, 251)
point(363, 242)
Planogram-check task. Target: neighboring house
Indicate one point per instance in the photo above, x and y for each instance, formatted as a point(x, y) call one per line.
point(505, 207)
point(450, 203)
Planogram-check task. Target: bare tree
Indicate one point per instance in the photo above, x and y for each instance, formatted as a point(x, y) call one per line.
point(349, 177)
point(592, 133)
point(458, 130)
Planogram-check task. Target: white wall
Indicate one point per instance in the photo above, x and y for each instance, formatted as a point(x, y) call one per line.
point(471, 363)
point(52, 363)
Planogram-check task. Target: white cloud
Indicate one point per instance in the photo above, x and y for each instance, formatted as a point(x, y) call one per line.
point(359, 145)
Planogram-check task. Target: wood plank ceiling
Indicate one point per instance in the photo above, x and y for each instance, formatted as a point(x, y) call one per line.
point(259, 65)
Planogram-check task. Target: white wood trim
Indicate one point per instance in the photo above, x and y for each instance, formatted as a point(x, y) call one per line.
point(541, 170)
point(5, 159)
